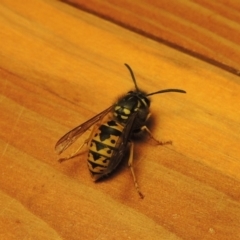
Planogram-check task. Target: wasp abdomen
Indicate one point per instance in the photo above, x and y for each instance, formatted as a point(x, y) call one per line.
point(102, 147)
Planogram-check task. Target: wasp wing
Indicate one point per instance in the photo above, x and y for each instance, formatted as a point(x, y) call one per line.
point(69, 138)
point(119, 153)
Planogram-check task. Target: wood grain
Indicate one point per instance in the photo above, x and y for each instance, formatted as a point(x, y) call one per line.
point(59, 66)
point(208, 30)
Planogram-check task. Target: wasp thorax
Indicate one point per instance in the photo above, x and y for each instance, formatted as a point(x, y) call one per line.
point(131, 103)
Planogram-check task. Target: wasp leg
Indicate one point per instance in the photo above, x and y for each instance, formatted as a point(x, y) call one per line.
point(130, 164)
point(145, 128)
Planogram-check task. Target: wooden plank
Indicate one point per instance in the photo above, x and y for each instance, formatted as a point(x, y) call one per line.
point(61, 66)
point(208, 30)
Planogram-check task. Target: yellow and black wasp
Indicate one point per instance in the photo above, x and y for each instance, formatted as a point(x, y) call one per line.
point(111, 138)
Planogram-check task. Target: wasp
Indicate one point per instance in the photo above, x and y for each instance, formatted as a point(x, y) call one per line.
point(111, 137)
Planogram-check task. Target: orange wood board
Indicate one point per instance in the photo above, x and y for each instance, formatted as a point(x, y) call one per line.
point(208, 30)
point(60, 66)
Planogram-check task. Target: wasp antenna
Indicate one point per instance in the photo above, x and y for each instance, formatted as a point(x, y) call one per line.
point(133, 77)
point(167, 90)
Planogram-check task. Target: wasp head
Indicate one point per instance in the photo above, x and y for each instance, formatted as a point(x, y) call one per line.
point(136, 102)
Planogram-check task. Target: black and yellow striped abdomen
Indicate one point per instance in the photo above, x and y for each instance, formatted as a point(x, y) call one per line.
point(103, 145)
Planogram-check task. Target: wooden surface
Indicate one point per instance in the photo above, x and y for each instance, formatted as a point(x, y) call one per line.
point(208, 30)
point(59, 66)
